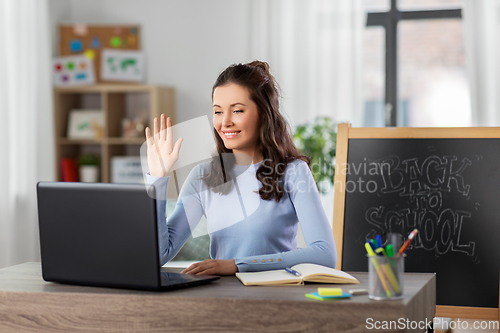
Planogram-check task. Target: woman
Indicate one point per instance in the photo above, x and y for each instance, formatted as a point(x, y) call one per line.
point(253, 193)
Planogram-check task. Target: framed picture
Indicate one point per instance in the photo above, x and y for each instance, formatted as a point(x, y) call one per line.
point(126, 169)
point(85, 124)
point(119, 65)
point(73, 71)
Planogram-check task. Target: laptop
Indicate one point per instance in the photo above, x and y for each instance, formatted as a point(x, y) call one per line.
point(101, 234)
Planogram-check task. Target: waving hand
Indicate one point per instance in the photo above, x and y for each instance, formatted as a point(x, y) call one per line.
point(162, 154)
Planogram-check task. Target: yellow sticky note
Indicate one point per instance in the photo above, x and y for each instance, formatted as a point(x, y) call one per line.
point(90, 54)
point(330, 291)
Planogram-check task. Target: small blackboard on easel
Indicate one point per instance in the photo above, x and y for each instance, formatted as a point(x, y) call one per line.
point(445, 182)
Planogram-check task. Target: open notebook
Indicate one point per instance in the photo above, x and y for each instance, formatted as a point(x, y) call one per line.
point(309, 273)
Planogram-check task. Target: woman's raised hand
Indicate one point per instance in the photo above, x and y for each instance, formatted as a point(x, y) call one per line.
point(162, 154)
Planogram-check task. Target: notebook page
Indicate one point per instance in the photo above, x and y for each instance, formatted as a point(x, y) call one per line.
point(267, 276)
point(310, 269)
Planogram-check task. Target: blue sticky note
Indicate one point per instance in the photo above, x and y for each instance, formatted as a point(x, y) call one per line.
point(76, 45)
point(95, 43)
point(81, 76)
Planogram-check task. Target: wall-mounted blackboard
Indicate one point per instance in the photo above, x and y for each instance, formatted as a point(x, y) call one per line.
point(445, 186)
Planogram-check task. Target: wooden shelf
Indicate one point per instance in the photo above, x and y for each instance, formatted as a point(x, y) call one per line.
point(66, 141)
point(105, 88)
point(109, 141)
point(125, 141)
point(117, 101)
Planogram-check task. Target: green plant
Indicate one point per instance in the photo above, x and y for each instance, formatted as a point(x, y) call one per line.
point(89, 159)
point(318, 140)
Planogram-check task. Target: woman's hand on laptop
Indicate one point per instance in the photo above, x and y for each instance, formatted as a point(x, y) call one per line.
point(162, 154)
point(213, 267)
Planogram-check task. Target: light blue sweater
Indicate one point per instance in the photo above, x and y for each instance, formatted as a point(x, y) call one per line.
point(258, 234)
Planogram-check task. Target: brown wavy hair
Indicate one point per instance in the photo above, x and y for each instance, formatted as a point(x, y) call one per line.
point(275, 138)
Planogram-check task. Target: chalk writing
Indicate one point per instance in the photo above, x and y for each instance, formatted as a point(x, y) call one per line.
point(424, 183)
point(434, 173)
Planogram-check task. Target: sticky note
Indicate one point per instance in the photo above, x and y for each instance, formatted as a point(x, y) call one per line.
point(133, 31)
point(76, 45)
point(316, 296)
point(95, 43)
point(80, 29)
point(81, 76)
point(115, 41)
point(118, 30)
point(330, 291)
point(90, 54)
point(131, 39)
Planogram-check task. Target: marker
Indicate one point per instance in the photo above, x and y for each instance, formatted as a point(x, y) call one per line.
point(291, 271)
point(389, 250)
point(380, 251)
point(373, 244)
point(408, 241)
point(395, 240)
point(377, 269)
point(392, 278)
point(388, 271)
point(379, 241)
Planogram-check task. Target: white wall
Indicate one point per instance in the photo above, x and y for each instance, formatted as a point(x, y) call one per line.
point(187, 42)
point(59, 10)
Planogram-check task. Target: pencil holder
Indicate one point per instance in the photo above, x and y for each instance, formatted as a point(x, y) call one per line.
point(386, 277)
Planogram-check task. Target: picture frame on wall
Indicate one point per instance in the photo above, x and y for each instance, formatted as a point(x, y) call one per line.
point(73, 71)
point(122, 66)
point(85, 124)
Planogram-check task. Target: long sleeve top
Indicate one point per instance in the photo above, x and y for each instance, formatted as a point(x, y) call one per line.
point(258, 234)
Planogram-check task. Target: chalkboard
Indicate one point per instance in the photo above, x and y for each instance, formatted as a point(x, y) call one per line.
point(448, 189)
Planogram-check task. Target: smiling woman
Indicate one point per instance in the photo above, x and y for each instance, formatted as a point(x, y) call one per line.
point(246, 100)
point(236, 123)
point(254, 191)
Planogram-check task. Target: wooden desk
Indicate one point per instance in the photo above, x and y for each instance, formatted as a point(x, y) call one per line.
point(29, 304)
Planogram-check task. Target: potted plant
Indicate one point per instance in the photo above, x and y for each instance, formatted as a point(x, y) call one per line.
point(318, 140)
point(89, 167)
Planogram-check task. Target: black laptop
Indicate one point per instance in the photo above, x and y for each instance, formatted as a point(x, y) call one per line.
point(101, 234)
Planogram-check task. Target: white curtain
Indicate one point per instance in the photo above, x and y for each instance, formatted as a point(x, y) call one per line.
point(315, 49)
point(26, 132)
point(482, 30)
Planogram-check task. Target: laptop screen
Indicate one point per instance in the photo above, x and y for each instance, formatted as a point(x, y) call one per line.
point(98, 234)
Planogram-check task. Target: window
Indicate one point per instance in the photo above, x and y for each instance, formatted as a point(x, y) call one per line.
point(415, 64)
